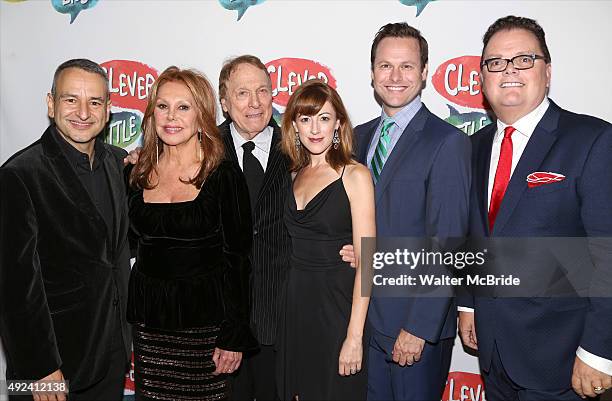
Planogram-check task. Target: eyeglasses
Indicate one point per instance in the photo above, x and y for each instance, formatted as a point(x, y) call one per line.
point(520, 62)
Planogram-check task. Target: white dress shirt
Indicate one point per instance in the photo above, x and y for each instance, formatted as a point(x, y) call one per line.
point(262, 141)
point(524, 129)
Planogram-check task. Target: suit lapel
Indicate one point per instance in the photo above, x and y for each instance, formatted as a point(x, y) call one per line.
point(481, 174)
point(406, 141)
point(363, 141)
point(116, 185)
point(69, 182)
point(274, 162)
point(542, 139)
point(226, 135)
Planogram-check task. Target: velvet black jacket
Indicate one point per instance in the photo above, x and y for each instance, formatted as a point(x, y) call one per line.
point(63, 278)
point(192, 266)
point(271, 242)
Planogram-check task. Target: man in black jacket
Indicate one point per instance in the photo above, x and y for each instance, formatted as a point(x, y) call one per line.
point(251, 140)
point(64, 258)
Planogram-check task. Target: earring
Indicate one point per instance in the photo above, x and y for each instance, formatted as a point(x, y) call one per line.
point(297, 140)
point(199, 145)
point(156, 150)
point(336, 139)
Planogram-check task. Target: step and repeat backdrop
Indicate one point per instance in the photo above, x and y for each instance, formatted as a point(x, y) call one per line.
point(297, 40)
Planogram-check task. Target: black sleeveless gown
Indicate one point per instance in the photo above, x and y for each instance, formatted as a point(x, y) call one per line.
point(318, 301)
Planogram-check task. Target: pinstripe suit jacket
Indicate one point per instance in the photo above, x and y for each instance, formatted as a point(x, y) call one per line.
point(271, 242)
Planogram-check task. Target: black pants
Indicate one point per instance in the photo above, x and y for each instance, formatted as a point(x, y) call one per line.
point(110, 387)
point(256, 377)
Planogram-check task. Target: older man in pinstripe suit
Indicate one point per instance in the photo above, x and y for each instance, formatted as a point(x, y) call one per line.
point(251, 139)
point(251, 136)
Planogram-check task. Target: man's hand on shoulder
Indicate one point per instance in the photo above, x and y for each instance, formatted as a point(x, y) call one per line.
point(132, 157)
point(348, 254)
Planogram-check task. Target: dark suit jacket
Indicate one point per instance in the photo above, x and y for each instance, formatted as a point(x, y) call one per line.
point(61, 275)
point(423, 191)
point(537, 337)
point(271, 242)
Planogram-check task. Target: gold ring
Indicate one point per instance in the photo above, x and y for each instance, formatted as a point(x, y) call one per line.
point(598, 389)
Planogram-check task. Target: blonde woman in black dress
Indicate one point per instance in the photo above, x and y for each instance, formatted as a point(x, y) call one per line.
point(189, 211)
point(331, 203)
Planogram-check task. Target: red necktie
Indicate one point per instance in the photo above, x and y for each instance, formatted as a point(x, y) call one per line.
point(502, 175)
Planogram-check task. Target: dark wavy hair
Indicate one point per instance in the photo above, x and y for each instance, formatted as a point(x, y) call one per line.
point(205, 106)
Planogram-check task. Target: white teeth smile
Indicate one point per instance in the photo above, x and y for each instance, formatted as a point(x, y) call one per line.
point(80, 124)
point(511, 84)
point(395, 88)
point(172, 129)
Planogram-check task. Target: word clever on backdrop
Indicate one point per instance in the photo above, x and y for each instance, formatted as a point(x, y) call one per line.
point(129, 85)
point(458, 80)
point(463, 386)
point(287, 74)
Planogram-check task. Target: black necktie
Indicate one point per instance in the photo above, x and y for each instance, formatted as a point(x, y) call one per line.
point(253, 172)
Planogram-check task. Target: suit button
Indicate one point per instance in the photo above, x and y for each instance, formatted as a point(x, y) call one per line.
point(115, 302)
point(255, 232)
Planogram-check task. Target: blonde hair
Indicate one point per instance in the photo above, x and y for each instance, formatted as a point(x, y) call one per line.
point(205, 107)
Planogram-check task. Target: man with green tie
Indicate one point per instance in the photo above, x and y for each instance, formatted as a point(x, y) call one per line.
point(421, 169)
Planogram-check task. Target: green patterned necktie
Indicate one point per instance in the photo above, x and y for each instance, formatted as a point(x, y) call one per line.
point(381, 153)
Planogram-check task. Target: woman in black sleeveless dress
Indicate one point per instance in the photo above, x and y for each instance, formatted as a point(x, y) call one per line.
point(321, 351)
point(189, 212)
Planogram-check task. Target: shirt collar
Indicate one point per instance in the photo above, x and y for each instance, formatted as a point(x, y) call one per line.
point(261, 140)
point(526, 124)
point(76, 157)
point(403, 117)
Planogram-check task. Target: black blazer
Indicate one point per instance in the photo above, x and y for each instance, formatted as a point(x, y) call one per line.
point(271, 242)
point(63, 278)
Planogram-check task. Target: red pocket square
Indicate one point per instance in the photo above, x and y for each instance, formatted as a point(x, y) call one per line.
point(538, 178)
